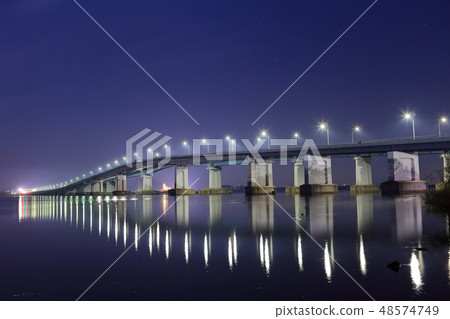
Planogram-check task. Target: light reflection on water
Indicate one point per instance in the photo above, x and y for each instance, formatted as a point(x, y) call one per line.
point(192, 231)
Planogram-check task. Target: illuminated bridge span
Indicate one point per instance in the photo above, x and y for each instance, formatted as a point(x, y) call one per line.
point(312, 174)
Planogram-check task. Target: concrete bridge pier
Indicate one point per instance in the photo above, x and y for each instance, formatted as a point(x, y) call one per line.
point(260, 178)
point(364, 183)
point(215, 182)
point(318, 176)
point(109, 187)
point(299, 177)
point(446, 172)
point(121, 186)
point(181, 182)
point(97, 188)
point(403, 174)
point(145, 185)
point(84, 189)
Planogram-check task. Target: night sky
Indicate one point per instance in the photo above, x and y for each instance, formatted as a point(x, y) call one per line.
point(70, 97)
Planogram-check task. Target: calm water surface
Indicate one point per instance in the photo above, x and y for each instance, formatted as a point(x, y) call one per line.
point(217, 247)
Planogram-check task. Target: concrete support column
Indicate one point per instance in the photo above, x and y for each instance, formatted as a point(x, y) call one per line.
point(299, 177)
point(121, 185)
point(363, 175)
point(299, 174)
point(403, 174)
point(84, 189)
point(121, 182)
point(215, 177)
point(215, 182)
point(318, 176)
point(403, 166)
point(181, 182)
point(260, 178)
point(363, 170)
point(97, 188)
point(181, 177)
point(109, 187)
point(145, 185)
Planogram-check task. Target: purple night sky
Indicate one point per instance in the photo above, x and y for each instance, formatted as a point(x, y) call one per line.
point(70, 97)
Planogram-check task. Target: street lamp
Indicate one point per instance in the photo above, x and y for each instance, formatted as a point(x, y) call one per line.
point(205, 141)
point(230, 142)
point(356, 128)
point(442, 120)
point(295, 137)
point(411, 116)
point(264, 133)
point(324, 126)
point(185, 143)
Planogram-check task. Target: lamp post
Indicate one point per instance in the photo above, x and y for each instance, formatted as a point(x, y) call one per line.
point(185, 143)
point(442, 120)
point(168, 149)
point(231, 142)
point(205, 141)
point(411, 116)
point(356, 128)
point(264, 133)
point(324, 126)
point(295, 137)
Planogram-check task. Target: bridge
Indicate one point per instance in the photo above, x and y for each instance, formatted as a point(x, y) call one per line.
point(312, 171)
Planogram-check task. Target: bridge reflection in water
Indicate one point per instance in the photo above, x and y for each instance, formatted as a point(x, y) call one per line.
point(124, 221)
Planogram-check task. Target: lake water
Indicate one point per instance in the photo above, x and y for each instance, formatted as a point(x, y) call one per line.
point(228, 247)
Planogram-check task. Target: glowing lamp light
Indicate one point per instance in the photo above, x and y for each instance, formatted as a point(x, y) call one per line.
point(411, 116)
